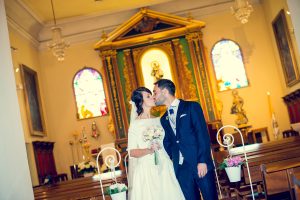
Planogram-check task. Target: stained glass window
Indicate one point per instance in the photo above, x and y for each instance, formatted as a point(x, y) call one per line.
point(229, 66)
point(89, 94)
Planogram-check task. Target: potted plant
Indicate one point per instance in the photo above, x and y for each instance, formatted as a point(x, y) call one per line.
point(232, 166)
point(117, 191)
point(87, 168)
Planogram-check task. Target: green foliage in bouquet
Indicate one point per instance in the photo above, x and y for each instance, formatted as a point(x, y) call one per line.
point(115, 188)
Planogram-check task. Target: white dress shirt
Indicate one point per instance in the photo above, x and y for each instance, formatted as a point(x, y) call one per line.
point(172, 120)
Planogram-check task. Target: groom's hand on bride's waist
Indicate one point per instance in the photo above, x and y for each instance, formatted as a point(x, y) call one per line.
point(202, 169)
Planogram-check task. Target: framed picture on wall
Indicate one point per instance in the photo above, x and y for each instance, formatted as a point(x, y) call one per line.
point(285, 48)
point(33, 101)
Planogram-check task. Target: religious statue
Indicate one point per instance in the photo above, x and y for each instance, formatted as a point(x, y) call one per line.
point(95, 132)
point(237, 109)
point(156, 72)
point(85, 146)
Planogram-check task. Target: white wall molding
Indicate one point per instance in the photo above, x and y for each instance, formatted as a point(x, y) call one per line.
point(15, 26)
point(89, 27)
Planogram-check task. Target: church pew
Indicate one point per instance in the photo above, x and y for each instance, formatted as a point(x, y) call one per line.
point(81, 181)
point(296, 183)
point(253, 149)
point(86, 191)
point(276, 177)
point(255, 162)
point(82, 188)
point(264, 153)
point(62, 192)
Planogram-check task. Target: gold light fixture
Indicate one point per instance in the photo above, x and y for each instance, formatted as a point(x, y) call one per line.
point(58, 44)
point(241, 10)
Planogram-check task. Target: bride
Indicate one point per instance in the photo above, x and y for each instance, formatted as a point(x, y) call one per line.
point(149, 178)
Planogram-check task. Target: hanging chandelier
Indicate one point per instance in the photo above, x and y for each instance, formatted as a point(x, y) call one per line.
point(242, 10)
point(58, 44)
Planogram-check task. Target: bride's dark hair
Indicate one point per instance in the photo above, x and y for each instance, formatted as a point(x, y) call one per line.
point(137, 98)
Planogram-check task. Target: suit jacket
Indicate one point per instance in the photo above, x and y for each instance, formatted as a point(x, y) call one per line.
point(191, 139)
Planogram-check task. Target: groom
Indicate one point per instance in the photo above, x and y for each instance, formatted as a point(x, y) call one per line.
point(186, 142)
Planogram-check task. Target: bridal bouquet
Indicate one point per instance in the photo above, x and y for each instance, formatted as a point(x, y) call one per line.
point(152, 135)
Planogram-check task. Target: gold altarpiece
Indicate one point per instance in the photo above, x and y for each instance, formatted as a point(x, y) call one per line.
point(181, 41)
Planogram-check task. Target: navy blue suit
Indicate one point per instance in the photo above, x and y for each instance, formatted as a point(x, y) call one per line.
point(192, 140)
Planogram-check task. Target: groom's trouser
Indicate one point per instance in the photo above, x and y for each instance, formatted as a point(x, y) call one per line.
point(190, 183)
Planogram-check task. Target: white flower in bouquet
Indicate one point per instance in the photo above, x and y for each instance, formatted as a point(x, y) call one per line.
point(86, 167)
point(152, 135)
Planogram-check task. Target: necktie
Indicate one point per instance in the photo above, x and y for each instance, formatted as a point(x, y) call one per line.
point(172, 117)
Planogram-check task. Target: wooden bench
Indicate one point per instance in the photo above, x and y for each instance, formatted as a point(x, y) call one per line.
point(276, 177)
point(264, 153)
point(296, 183)
point(81, 188)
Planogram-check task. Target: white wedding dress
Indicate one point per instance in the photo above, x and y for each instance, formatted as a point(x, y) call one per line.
point(148, 181)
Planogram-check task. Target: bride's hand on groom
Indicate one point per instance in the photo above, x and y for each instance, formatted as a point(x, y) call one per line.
point(202, 169)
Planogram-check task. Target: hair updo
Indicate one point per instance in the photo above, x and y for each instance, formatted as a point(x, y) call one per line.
point(137, 98)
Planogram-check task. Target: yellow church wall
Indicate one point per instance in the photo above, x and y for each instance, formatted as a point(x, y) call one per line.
point(261, 67)
point(271, 10)
point(27, 54)
point(57, 79)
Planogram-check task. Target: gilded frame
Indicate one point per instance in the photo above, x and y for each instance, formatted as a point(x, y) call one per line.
point(32, 98)
point(285, 49)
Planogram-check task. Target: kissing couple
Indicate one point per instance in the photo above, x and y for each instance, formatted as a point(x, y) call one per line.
point(169, 157)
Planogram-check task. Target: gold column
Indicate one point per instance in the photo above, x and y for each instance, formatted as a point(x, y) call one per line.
point(111, 72)
point(129, 75)
point(202, 77)
point(188, 88)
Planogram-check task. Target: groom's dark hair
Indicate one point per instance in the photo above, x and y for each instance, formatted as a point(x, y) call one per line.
point(166, 84)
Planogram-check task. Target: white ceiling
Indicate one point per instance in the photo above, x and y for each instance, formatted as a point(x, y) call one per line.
point(74, 8)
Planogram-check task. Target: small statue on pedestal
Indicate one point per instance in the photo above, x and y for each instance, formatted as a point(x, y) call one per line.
point(237, 109)
point(95, 132)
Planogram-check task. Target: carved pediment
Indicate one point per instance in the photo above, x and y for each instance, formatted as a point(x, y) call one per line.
point(148, 25)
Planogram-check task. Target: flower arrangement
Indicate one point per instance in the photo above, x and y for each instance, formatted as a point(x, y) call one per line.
point(152, 135)
point(232, 166)
point(231, 161)
point(87, 167)
point(116, 188)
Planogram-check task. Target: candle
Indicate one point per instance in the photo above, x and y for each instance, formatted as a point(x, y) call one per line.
point(270, 104)
point(83, 133)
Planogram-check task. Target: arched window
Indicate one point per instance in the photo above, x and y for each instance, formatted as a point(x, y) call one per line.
point(89, 94)
point(155, 65)
point(229, 66)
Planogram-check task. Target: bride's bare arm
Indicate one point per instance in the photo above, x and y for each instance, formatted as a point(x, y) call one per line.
point(137, 153)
